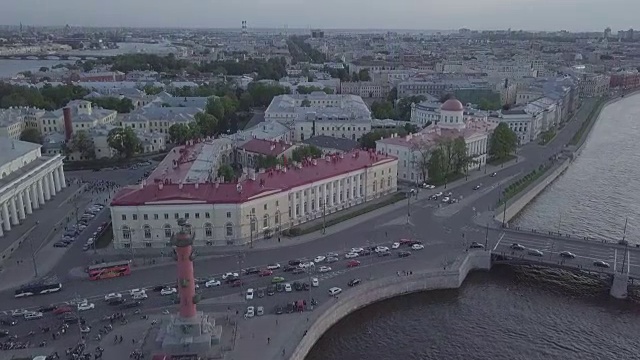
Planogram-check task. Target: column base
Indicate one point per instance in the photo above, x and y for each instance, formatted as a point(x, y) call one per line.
point(189, 336)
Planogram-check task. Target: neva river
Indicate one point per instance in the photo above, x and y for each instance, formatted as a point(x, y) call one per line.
point(512, 313)
point(602, 186)
point(9, 68)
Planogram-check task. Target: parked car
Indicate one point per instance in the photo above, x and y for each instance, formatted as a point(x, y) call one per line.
point(277, 279)
point(266, 272)
point(353, 263)
point(476, 245)
point(168, 291)
point(274, 266)
point(354, 282)
point(404, 254)
point(251, 271)
point(212, 283)
point(515, 246)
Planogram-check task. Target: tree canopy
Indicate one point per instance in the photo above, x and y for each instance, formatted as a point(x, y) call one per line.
point(368, 140)
point(309, 89)
point(304, 152)
point(122, 106)
point(81, 142)
point(225, 171)
point(48, 97)
point(31, 135)
point(447, 160)
point(124, 141)
point(303, 52)
point(503, 142)
point(383, 110)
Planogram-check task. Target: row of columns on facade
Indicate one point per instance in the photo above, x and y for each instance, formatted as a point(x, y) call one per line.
point(23, 202)
point(331, 190)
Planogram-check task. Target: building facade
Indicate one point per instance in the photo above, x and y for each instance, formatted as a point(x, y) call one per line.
point(264, 203)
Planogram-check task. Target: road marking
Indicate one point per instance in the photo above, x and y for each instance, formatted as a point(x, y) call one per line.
point(500, 239)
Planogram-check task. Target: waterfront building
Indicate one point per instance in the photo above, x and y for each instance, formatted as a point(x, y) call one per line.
point(413, 150)
point(28, 181)
point(259, 204)
point(593, 85)
point(318, 113)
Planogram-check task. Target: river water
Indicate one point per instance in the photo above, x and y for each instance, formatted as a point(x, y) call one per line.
point(515, 313)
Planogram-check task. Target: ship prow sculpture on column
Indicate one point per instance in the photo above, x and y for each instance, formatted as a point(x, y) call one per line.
point(189, 332)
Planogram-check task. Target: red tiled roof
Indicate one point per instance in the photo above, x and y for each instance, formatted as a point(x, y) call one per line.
point(272, 181)
point(265, 147)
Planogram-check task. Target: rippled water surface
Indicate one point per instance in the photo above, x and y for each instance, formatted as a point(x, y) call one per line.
point(505, 314)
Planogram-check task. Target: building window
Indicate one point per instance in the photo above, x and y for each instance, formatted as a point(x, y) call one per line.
point(147, 232)
point(228, 215)
point(186, 215)
point(297, 209)
point(145, 217)
point(197, 215)
point(176, 216)
point(155, 216)
point(375, 184)
point(389, 182)
point(124, 217)
point(135, 216)
point(167, 231)
point(265, 221)
point(253, 224)
point(126, 233)
point(208, 230)
point(147, 244)
point(277, 203)
point(276, 218)
point(229, 229)
point(207, 215)
point(166, 216)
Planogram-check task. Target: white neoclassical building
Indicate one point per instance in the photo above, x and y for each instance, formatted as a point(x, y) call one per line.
point(263, 203)
point(27, 180)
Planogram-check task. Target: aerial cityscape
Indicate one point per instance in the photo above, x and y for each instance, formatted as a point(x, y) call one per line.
point(261, 191)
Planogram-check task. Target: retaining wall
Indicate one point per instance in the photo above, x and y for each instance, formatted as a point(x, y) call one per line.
point(515, 206)
point(392, 286)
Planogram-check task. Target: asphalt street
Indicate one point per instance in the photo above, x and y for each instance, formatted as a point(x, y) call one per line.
point(444, 229)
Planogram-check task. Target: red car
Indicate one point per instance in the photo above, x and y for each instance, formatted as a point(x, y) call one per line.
point(353, 263)
point(404, 241)
point(62, 310)
point(266, 272)
point(236, 283)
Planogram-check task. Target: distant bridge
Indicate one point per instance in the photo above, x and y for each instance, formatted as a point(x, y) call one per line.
point(54, 57)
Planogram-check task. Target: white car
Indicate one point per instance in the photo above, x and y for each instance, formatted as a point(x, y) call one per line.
point(90, 241)
point(86, 306)
point(380, 249)
point(319, 259)
point(445, 199)
point(287, 287)
point(315, 282)
point(275, 266)
point(438, 194)
point(140, 296)
point(19, 312)
point(212, 283)
point(417, 246)
point(250, 312)
point(324, 269)
point(351, 255)
point(260, 311)
point(85, 329)
point(168, 291)
point(357, 250)
point(395, 245)
point(228, 275)
point(112, 296)
point(135, 291)
point(249, 295)
point(332, 255)
point(307, 264)
point(33, 315)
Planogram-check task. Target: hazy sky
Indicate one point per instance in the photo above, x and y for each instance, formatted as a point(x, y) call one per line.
point(573, 15)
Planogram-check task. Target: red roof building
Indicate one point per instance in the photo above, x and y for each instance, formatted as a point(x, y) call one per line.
point(248, 153)
point(262, 202)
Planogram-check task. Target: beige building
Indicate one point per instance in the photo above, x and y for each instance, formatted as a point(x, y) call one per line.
point(365, 89)
point(263, 203)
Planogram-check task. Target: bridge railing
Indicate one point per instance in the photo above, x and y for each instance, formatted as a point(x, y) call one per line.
point(559, 235)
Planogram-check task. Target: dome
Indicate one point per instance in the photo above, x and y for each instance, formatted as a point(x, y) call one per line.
point(452, 105)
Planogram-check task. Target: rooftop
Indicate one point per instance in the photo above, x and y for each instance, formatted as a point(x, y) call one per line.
point(264, 184)
point(265, 147)
point(12, 149)
point(328, 142)
point(321, 105)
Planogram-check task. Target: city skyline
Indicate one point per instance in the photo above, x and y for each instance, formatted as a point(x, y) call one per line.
point(399, 15)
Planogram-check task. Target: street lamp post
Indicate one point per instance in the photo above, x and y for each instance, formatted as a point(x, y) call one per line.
point(240, 262)
point(324, 217)
point(310, 270)
point(409, 205)
point(33, 253)
point(504, 213)
point(486, 237)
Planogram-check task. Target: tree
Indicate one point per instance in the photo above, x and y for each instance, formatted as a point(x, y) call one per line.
point(44, 69)
point(305, 103)
point(122, 106)
point(327, 90)
point(31, 135)
point(461, 160)
point(403, 109)
point(207, 124)
point(179, 133)
point(124, 141)
point(363, 75)
point(246, 101)
point(225, 171)
point(503, 142)
point(421, 157)
point(382, 110)
point(304, 152)
point(437, 166)
point(262, 94)
point(81, 142)
point(393, 95)
point(309, 89)
point(215, 107)
point(267, 162)
point(152, 90)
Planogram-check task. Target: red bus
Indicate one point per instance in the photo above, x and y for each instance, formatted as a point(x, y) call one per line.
point(109, 270)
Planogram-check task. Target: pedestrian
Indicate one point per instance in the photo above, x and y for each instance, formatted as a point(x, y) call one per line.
point(133, 341)
point(282, 352)
point(276, 321)
point(268, 340)
point(278, 239)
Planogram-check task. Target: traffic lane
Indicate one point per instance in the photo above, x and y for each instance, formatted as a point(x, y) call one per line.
point(570, 241)
point(584, 262)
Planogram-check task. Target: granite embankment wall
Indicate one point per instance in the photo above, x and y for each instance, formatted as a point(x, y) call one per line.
point(515, 206)
point(370, 292)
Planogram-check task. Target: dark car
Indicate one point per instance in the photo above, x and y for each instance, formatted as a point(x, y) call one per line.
point(294, 262)
point(289, 268)
point(298, 270)
point(70, 319)
point(271, 290)
point(131, 304)
point(404, 254)
point(231, 280)
point(251, 271)
point(365, 252)
point(354, 282)
point(158, 288)
point(494, 174)
point(279, 310)
point(236, 283)
point(297, 286)
point(279, 287)
point(306, 286)
point(475, 245)
point(60, 244)
point(4, 333)
point(116, 301)
point(8, 322)
point(384, 253)
point(290, 308)
point(46, 308)
point(260, 293)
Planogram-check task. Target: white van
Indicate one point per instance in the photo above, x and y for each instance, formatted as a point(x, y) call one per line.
point(33, 315)
point(334, 291)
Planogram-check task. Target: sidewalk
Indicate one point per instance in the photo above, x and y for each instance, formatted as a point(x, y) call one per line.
point(53, 216)
point(134, 335)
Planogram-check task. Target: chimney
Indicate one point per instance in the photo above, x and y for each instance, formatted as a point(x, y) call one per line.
point(68, 125)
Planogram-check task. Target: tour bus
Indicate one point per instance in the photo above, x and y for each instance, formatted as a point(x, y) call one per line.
point(38, 289)
point(109, 270)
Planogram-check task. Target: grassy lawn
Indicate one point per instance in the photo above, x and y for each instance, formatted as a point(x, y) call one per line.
point(547, 136)
point(297, 231)
point(106, 238)
point(522, 183)
point(500, 161)
point(593, 115)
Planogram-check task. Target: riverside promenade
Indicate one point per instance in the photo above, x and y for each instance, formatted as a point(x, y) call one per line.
point(292, 336)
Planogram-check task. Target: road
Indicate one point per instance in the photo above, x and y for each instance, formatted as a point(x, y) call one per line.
point(444, 229)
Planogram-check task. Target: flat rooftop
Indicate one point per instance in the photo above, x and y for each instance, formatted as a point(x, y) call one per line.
point(270, 182)
point(13, 149)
